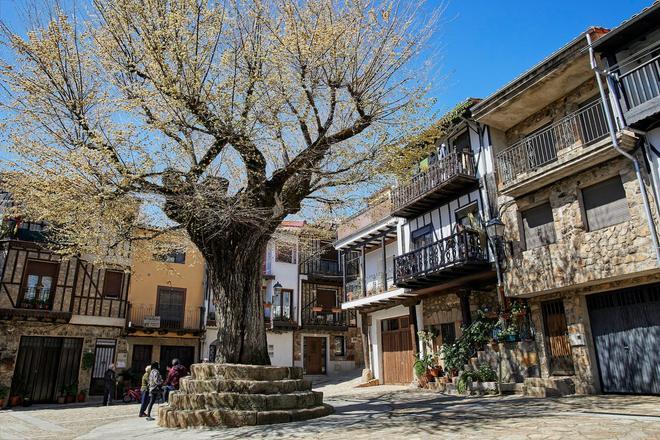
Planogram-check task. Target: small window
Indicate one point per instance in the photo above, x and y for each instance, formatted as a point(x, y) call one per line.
point(461, 142)
point(112, 285)
point(285, 253)
point(421, 237)
point(339, 345)
point(605, 204)
point(538, 226)
point(173, 257)
point(326, 298)
point(448, 333)
point(468, 217)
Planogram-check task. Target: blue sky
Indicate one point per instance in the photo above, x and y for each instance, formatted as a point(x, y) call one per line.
point(484, 44)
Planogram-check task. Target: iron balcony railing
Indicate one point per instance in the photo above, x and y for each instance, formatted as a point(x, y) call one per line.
point(461, 248)
point(321, 266)
point(147, 316)
point(641, 84)
point(374, 285)
point(532, 152)
point(444, 169)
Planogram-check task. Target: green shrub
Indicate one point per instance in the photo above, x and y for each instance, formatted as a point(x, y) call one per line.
point(474, 337)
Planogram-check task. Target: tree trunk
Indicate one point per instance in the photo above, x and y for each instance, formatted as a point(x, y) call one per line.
point(234, 275)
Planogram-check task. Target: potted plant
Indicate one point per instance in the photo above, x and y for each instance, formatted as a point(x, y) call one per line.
point(71, 392)
point(87, 360)
point(82, 395)
point(27, 400)
point(518, 309)
point(4, 392)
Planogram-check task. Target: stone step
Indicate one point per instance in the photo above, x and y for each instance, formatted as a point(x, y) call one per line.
point(531, 391)
point(512, 388)
point(172, 418)
point(238, 401)
point(285, 386)
point(246, 372)
point(555, 386)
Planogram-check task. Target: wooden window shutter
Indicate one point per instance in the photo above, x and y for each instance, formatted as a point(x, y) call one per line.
point(605, 204)
point(112, 285)
point(538, 226)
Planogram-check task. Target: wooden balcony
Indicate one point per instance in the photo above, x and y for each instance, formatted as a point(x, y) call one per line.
point(446, 179)
point(458, 255)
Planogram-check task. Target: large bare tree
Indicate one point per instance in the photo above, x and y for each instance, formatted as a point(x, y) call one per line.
point(223, 116)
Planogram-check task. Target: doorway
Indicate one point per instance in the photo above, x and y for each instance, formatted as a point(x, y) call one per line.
point(185, 355)
point(556, 338)
point(398, 350)
point(104, 355)
point(315, 349)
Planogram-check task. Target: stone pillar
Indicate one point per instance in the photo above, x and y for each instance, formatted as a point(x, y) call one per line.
point(584, 353)
point(367, 373)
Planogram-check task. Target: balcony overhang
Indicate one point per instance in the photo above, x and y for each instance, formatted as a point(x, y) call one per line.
point(458, 271)
point(369, 236)
point(569, 164)
point(447, 190)
point(380, 301)
point(35, 315)
point(548, 81)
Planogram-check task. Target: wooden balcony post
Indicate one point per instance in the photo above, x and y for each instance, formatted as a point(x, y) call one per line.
point(382, 243)
point(342, 254)
point(366, 349)
point(364, 270)
point(464, 296)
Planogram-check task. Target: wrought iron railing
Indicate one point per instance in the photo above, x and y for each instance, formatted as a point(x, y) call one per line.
point(452, 165)
point(147, 315)
point(321, 266)
point(641, 84)
point(463, 247)
point(535, 151)
point(374, 284)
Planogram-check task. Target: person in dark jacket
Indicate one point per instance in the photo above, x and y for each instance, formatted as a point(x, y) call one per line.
point(109, 381)
point(155, 381)
point(173, 376)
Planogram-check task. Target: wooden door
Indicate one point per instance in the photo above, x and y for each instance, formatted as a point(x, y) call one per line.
point(626, 331)
point(104, 355)
point(398, 350)
point(45, 365)
point(556, 338)
point(185, 355)
point(141, 357)
point(314, 357)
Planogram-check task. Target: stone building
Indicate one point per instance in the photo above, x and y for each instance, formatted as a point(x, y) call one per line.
point(579, 241)
point(61, 319)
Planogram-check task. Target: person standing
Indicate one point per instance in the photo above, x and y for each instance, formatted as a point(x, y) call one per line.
point(174, 375)
point(155, 382)
point(144, 390)
point(109, 381)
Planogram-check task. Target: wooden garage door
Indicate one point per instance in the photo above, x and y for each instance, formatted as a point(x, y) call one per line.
point(398, 350)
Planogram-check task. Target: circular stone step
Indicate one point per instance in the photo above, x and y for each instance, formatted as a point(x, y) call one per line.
point(256, 402)
point(245, 372)
point(196, 386)
point(238, 395)
point(172, 418)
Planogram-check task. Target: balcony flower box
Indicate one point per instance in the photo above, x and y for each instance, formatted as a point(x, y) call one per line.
point(336, 310)
point(317, 309)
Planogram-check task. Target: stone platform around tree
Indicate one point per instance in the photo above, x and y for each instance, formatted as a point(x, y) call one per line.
point(239, 395)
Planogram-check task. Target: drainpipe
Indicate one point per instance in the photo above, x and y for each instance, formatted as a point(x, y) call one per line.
point(617, 147)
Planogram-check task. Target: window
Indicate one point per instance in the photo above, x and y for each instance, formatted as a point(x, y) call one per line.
point(339, 345)
point(173, 257)
point(467, 217)
point(112, 284)
point(326, 298)
point(538, 226)
point(448, 333)
point(171, 307)
point(605, 204)
point(39, 284)
point(285, 253)
point(461, 142)
point(282, 304)
point(421, 237)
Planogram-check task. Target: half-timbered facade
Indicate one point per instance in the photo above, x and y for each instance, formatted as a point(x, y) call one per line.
point(61, 319)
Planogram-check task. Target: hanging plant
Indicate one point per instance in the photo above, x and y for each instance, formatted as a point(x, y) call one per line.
point(87, 360)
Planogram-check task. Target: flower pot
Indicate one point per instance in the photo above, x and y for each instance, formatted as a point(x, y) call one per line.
point(435, 372)
point(61, 399)
point(70, 399)
point(2, 403)
point(15, 400)
point(81, 397)
point(491, 315)
point(26, 401)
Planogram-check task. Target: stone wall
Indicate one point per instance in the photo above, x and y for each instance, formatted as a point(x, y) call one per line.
point(10, 337)
point(579, 256)
point(516, 360)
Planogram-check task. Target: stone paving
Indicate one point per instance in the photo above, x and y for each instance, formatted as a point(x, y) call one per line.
point(384, 412)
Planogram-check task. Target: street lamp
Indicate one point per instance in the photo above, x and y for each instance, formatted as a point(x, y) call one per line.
point(495, 228)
